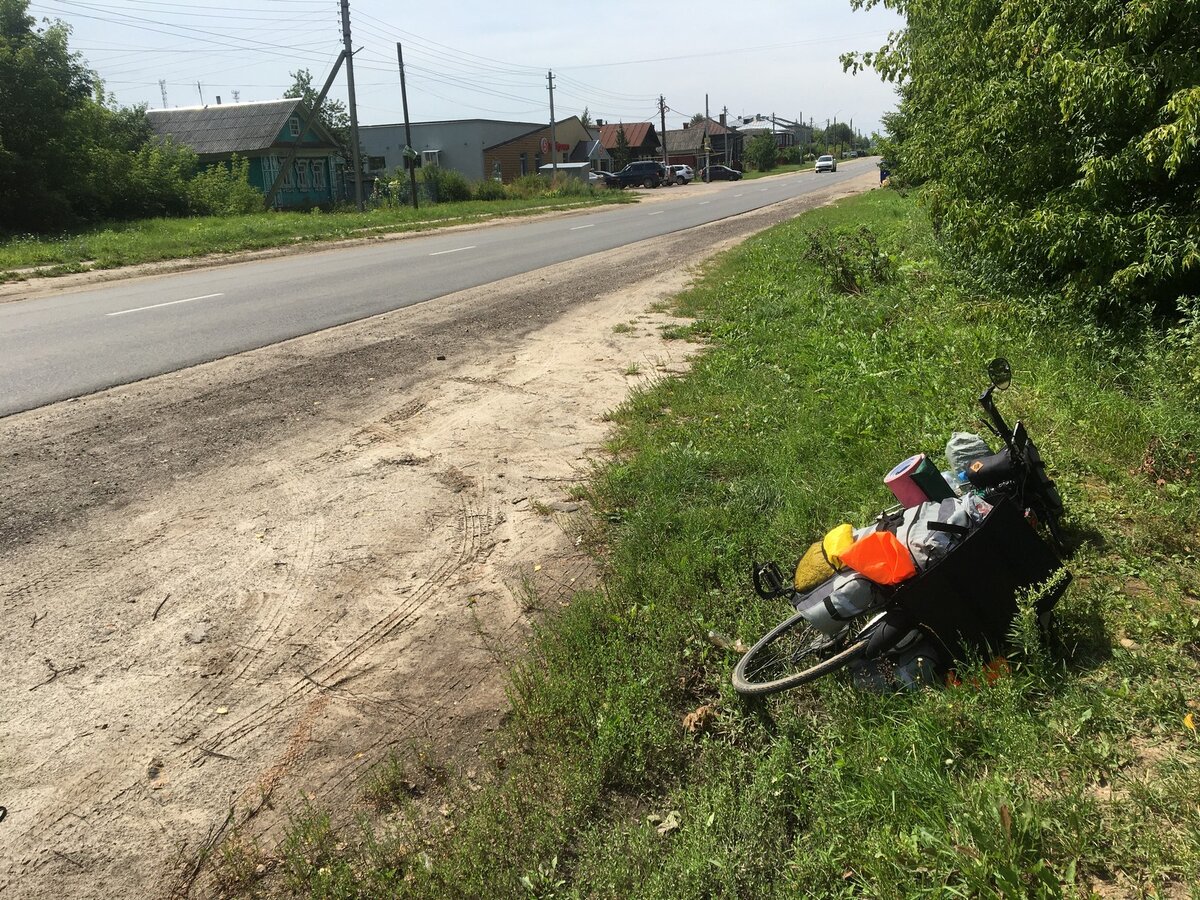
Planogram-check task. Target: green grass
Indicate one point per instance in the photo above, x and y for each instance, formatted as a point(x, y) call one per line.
point(154, 240)
point(1075, 772)
point(779, 170)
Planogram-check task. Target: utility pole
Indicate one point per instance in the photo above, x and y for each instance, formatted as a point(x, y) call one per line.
point(705, 145)
point(200, 91)
point(358, 199)
point(662, 114)
point(725, 122)
point(162, 86)
point(237, 96)
point(553, 133)
point(409, 153)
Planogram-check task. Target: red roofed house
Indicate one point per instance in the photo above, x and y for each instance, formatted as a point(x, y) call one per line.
point(643, 140)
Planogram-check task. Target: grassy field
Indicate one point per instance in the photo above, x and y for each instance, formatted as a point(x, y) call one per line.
point(154, 240)
point(1077, 773)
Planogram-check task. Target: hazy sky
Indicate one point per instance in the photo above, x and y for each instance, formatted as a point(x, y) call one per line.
point(468, 58)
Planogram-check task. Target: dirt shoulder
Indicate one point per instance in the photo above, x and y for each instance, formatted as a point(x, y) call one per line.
point(235, 587)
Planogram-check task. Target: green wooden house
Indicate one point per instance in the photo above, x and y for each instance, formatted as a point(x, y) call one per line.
point(263, 132)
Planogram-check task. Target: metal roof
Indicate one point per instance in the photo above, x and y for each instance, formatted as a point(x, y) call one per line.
point(635, 132)
point(228, 128)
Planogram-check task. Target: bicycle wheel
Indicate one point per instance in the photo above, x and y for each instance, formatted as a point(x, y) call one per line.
point(794, 653)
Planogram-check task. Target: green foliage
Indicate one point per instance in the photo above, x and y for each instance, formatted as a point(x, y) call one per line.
point(332, 114)
point(849, 258)
point(527, 186)
point(761, 152)
point(45, 95)
point(446, 185)
point(622, 155)
point(490, 190)
point(1058, 140)
point(224, 190)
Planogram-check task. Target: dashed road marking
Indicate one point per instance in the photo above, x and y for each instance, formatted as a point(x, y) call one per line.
point(168, 303)
point(455, 250)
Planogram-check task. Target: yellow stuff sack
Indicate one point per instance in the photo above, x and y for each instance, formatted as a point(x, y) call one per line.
point(837, 542)
point(813, 569)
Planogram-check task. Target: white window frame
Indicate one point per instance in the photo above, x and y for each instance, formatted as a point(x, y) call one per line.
point(318, 172)
point(430, 158)
point(302, 174)
point(294, 126)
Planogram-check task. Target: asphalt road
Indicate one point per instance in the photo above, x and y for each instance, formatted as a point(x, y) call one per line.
point(54, 347)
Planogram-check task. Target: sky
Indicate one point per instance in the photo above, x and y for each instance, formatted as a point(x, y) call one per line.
point(476, 59)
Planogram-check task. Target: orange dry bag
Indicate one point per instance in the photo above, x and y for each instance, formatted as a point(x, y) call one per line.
point(880, 557)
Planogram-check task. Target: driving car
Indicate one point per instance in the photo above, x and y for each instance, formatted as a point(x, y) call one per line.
point(719, 173)
point(825, 163)
point(645, 172)
point(680, 174)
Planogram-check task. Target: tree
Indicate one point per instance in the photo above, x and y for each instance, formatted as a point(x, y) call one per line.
point(622, 154)
point(332, 114)
point(761, 152)
point(697, 118)
point(585, 119)
point(44, 92)
point(1059, 142)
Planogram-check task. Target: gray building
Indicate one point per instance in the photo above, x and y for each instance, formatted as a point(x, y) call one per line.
point(457, 144)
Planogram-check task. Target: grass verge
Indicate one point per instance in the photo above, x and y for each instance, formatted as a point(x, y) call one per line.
point(155, 240)
point(1075, 776)
point(778, 170)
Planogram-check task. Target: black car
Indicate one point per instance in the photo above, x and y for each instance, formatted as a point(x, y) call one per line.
point(719, 173)
point(645, 172)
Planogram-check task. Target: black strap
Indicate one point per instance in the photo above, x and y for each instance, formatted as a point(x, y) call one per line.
point(949, 528)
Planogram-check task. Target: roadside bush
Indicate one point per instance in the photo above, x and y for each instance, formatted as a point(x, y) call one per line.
point(566, 186)
point(224, 191)
point(446, 185)
point(490, 190)
point(762, 152)
point(529, 186)
point(849, 258)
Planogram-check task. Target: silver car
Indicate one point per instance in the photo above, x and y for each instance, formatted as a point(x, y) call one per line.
point(825, 163)
point(680, 174)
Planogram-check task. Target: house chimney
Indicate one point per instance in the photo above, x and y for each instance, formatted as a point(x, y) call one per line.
point(599, 123)
point(218, 99)
point(686, 125)
point(722, 115)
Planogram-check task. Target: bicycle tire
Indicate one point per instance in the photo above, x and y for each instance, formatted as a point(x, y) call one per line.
point(744, 685)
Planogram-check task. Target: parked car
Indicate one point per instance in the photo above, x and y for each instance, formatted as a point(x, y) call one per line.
point(680, 174)
point(645, 172)
point(598, 177)
point(825, 163)
point(719, 173)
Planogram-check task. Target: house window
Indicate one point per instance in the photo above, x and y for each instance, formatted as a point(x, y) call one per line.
point(318, 173)
point(537, 161)
point(524, 163)
point(293, 126)
point(429, 157)
point(376, 163)
point(302, 174)
point(289, 179)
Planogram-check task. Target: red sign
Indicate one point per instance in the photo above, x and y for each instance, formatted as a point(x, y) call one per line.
point(545, 145)
point(563, 146)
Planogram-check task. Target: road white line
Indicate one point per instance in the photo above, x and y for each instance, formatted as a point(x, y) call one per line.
point(168, 303)
point(739, 195)
point(659, 213)
point(577, 227)
point(455, 250)
point(705, 202)
point(762, 190)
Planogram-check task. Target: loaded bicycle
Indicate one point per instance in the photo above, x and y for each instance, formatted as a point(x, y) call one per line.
point(964, 555)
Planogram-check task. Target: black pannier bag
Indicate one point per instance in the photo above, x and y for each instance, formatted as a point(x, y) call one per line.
point(967, 600)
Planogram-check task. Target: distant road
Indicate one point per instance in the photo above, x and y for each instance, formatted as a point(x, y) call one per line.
point(53, 347)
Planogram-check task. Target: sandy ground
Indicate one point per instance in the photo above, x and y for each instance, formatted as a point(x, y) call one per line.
point(231, 588)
